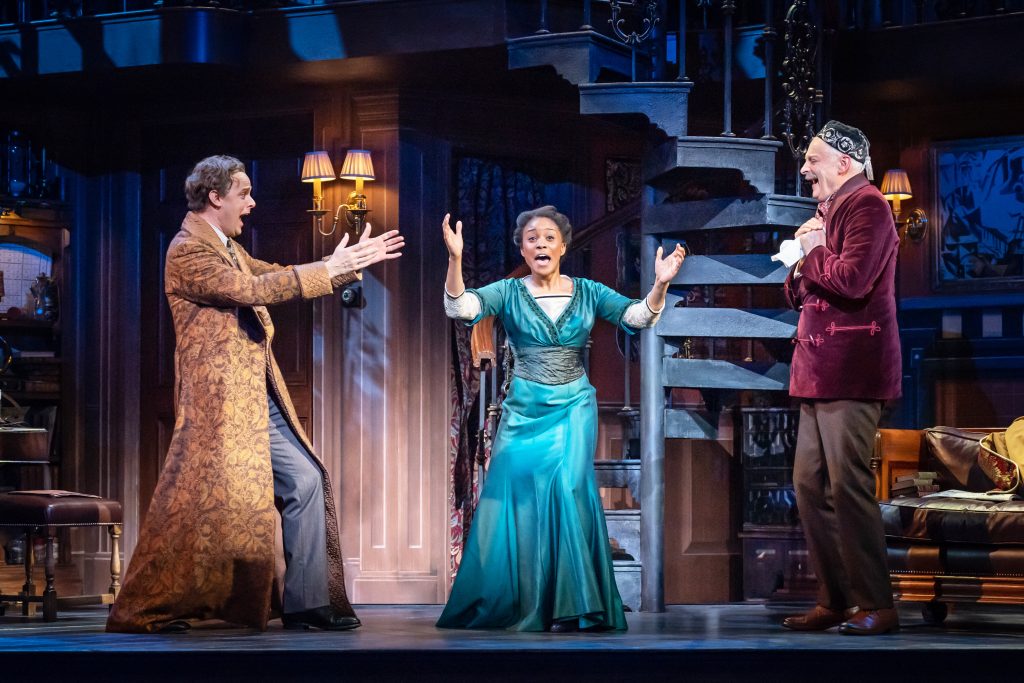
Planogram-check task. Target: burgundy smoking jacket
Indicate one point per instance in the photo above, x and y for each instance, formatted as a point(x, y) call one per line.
point(847, 340)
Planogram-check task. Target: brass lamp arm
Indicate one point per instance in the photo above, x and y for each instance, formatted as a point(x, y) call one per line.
point(356, 209)
point(334, 223)
point(914, 227)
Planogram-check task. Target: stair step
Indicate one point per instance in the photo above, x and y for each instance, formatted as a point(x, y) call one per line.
point(665, 104)
point(689, 424)
point(624, 527)
point(727, 322)
point(728, 212)
point(578, 56)
point(623, 473)
point(754, 159)
point(728, 269)
point(703, 373)
point(627, 580)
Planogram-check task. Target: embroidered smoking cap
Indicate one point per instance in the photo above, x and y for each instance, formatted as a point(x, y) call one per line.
point(850, 141)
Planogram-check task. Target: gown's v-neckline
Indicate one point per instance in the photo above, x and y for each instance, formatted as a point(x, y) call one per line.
point(554, 326)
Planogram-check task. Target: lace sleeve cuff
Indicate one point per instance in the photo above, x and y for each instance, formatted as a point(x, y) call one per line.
point(639, 315)
point(461, 307)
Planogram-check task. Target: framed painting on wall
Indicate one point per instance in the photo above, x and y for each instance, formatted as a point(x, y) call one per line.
point(979, 210)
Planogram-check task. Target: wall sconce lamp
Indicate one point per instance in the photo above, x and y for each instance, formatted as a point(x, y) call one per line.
point(896, 188)
point(316, 169)
point(358, 166)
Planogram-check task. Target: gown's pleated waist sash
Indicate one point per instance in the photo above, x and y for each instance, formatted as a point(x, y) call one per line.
point(548, 364)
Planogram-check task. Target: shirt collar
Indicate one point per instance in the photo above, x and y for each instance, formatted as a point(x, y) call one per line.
point(221, 235)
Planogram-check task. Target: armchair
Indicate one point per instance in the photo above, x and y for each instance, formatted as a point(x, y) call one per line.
point(944, 549)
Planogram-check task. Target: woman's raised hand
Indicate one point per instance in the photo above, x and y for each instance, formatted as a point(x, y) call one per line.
point(666, 268)
point(452, 238)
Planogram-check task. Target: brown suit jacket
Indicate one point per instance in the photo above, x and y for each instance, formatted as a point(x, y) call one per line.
point(207, 548)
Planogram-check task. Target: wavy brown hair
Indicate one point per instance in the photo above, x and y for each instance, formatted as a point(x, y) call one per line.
point(211, 174)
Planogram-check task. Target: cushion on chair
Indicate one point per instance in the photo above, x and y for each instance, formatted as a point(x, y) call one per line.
point(908, 557)
point(18, 509)
point(938, 519)
point(953, 453)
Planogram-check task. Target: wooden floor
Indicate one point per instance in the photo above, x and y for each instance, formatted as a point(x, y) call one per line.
point(734, 642)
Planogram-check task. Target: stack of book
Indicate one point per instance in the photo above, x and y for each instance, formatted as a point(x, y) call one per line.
point(914, 485)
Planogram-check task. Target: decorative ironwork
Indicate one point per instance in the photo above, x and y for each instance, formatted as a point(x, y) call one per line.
point(623, 182)
point(651, 19)
point(799, 78)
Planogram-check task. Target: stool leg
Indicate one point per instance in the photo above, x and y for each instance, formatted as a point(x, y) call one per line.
point(29, 588)
point(50, 593)
point(115, 559)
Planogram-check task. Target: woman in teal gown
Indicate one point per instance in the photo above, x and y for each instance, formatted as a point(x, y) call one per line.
point(537, 557)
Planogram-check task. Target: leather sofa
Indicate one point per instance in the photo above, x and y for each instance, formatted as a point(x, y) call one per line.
point(942, 549)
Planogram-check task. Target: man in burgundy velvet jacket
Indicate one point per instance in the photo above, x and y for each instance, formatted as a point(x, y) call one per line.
point(845, 366)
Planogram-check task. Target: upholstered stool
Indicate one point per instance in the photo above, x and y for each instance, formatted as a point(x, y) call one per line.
point(44, 513)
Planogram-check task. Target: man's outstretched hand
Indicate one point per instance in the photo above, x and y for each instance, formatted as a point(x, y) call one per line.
point(386, 245)
point(367, 251)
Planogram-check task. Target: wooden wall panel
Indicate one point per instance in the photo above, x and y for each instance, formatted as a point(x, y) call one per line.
point(702, 553)
point(396, 378)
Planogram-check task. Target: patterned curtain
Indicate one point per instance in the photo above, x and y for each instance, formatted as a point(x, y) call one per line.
point(491, 193)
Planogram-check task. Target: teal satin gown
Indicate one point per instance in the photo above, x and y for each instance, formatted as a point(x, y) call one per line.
point(538, 548)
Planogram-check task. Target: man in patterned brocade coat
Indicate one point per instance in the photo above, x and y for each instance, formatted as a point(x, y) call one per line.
point(846, 364)
point(238, 455)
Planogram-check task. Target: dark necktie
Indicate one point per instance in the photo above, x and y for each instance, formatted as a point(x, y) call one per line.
point(234, 256)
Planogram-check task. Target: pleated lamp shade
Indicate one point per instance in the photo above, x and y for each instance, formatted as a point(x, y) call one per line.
point(358, 165)
point(896, 185)
point(317, 166)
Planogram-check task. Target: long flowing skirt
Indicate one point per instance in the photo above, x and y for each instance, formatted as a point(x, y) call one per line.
point(538, 549)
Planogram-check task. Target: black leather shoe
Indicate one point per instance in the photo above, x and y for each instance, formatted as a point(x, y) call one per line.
point(323, 618)
point(175, 626)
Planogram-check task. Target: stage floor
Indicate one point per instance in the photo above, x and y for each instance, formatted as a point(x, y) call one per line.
point(694, 642)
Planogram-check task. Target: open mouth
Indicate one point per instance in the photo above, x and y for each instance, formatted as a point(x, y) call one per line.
point(542, 258)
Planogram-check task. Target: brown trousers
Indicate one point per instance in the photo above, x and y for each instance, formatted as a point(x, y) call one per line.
point(835, 496)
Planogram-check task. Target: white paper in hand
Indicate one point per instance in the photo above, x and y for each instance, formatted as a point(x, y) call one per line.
point(790, 252)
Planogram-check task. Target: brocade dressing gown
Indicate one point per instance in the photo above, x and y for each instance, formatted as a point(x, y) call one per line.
point(538, 549)
point(207, 548)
